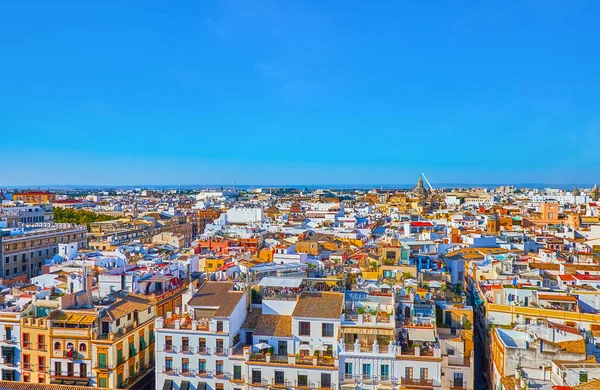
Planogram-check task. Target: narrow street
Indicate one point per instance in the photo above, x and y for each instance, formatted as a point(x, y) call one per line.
point(147, 382)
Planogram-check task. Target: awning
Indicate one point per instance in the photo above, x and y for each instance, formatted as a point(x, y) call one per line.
point(168, 385)
point(82, 383)
point(376, 331)
point(270, 281)
point(201, 386)
point(416, 334)
point(185, 385)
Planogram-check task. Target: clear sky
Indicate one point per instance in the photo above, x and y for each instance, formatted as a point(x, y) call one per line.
point(299, 92)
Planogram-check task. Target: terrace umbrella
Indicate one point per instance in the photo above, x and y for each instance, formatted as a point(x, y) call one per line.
point(261, 346)
point(320, 348)
point(304, 347)
point(384, 287)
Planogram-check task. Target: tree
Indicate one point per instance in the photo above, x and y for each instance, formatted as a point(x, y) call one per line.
point(81, 217)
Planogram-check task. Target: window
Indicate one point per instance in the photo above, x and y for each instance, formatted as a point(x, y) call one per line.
point(41, 363)
point(202, 366)
point(26, 378)
point(327, 330)
point(102, 383)
point(583, 376)
point(366, 371)
point(458, 380)
point(185, 344)
point(219, 346)
point(424, 374)
point(26, 343)
point(83, 370)
point(119, 322)
point(168, 364)
point(304, 328)
point(58, 368)
point(256, 376)
point(450, 352)
point(185, 366)
point(385, 372)
point(237, 373)
point(325, 380)
point(302, 379)
point(408, 372)
point(41, 342)
point(102, 360)
point(202, 346)
point(168, 343)
point(219, 367)
point(57, 346)
point(279, 377)
point(82, 347)
point(348, 370)
point(26, 365)
point(219, 326)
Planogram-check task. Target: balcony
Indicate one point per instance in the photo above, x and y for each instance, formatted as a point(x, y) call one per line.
point(259, 382)
point(458, 385)
point(281, 384)
point(169, 348)
point(9, 360)
point(416, 382)
point(9, 340)
point(237, 379)
point(315, 360)
point(186, 349)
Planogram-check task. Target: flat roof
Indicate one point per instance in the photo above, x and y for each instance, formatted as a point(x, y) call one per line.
point(271, 281)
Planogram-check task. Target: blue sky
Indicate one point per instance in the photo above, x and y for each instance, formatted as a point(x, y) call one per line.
point(299, 92)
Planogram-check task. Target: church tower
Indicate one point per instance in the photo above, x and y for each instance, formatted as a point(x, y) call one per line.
point(493, 224)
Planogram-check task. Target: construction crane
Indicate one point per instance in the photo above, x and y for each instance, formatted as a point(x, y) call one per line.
point(427, 181)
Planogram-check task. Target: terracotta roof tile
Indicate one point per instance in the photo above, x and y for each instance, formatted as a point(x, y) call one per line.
point(274, 325)
point(217, 295)
point(319, 305)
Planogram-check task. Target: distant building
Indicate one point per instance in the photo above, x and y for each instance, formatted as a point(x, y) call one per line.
point(35, 197)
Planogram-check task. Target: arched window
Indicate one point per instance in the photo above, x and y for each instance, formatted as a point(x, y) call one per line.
point(82, 347)
point(70, 346)
point(56, 346)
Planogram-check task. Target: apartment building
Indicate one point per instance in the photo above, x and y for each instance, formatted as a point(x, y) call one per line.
point(196, 349)
point(122, 348)
point(70, 342)
point(26, 214)
point(374, 355)
point(25, 249)
point(10, 344)
point(294, 341)
point(34, 197)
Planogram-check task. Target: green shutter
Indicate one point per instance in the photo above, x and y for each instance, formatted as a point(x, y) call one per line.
point(102, 361)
